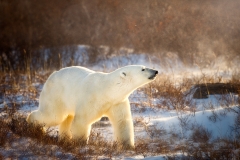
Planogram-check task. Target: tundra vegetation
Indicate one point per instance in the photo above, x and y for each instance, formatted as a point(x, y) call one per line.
point(20, 92)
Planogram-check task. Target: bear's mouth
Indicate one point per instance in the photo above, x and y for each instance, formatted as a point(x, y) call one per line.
point(152, 77)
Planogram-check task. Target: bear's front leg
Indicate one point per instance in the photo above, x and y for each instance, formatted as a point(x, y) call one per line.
point(80, 129)
point(121, 119)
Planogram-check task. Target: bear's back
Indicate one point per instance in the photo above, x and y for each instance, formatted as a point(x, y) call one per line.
point(64, 84)
point(70, 73)
point(75, 71)
point(66, 78)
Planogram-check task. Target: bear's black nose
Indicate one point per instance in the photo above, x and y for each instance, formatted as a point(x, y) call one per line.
point(156, 72)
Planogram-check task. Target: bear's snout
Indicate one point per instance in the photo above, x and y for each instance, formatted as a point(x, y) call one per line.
point(153, 74)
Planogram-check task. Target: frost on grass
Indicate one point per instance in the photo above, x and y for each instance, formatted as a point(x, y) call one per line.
point(168, 122)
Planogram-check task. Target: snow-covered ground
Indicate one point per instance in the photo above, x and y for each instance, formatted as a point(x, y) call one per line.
point(212, 113)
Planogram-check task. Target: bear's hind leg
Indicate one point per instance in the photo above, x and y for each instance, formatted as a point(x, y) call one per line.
point(45, 118)
point(64, 128)
point(35, 117)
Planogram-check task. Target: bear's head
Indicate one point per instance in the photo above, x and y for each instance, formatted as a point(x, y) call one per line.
point(131, 77)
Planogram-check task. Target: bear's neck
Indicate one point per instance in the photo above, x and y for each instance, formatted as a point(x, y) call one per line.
point(117, 90)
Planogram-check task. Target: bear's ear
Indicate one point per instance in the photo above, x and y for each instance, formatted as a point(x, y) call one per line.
point(123, 74)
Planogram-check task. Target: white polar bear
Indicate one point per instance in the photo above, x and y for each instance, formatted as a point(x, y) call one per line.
point(76, 97)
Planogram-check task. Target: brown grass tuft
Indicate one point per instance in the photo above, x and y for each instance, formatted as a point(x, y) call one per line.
point(33, 141)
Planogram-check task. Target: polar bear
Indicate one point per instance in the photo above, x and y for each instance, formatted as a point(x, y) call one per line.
point(76, 97)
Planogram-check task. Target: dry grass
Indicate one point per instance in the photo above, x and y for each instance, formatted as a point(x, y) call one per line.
point(44, 144)
point(41, 144)
point(28, 140)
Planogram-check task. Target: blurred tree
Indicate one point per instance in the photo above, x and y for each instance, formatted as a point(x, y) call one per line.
point(151, 26)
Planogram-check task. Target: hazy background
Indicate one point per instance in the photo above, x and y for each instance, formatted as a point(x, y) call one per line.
point(195, 32)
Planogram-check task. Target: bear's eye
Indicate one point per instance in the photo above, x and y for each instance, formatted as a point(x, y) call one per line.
point(124, 73)
point(143, 69)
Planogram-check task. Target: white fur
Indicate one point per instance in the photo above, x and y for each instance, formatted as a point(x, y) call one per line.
point(75, 97)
